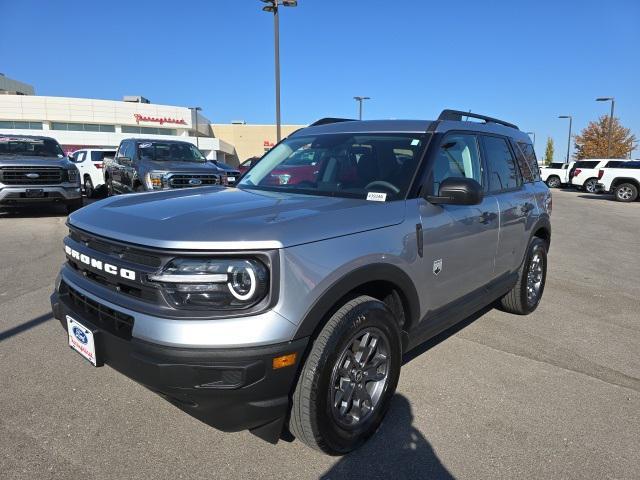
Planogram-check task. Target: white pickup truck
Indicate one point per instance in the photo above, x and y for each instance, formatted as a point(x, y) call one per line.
point(623, 181)
point(556, 174)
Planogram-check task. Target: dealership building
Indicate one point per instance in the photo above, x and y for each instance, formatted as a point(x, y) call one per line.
point(83, 123)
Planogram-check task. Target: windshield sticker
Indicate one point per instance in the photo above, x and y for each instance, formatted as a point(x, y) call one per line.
point(415, 142)
point(145, 145)
point(377, 197)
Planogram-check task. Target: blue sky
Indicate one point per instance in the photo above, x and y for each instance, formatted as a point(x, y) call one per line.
point(526, 62)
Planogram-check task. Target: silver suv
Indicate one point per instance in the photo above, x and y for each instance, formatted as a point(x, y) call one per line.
point(284, 306)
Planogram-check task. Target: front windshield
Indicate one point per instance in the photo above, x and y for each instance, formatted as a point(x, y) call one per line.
point(369, 166)
point(38, 147)
point(169, 152)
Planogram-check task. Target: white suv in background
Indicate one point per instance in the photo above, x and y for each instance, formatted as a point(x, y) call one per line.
point(623, 181)
point(90, 163)
point(584, 174)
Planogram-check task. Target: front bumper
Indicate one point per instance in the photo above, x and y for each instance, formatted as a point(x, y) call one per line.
point(231, 389)
point(65, 193)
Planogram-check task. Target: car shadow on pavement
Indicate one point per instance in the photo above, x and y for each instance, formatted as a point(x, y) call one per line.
point(397, 451)
point(33, 211)
point(441, 337)
point(601, 196)
point(25, 326)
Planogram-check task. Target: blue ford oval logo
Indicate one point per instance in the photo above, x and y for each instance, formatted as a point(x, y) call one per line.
point(80, 335)
point(195, 181)
point(32, 175)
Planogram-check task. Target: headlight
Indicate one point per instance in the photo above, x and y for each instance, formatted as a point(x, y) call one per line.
point(73, 175)
point(156, 180)
point(216, 284)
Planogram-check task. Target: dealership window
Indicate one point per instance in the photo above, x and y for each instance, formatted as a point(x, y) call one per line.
point(21, 125)
point(83, 127)
point(149, 130)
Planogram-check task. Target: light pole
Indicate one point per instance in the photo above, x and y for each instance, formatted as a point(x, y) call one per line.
point(569, 140)
point(534, 138)
point(613, 102)
point(360, 100)
point(195, 111)
point(273, 7)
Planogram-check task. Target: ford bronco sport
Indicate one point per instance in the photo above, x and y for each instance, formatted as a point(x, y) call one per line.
point(33, 170)
point(285, 308)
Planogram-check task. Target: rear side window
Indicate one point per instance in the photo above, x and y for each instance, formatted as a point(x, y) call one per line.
point(586, 164)
point(556, 165)
point(527, 162)
point(613, 164)
point(458, 157)
point(99, 156)
point(503, 172)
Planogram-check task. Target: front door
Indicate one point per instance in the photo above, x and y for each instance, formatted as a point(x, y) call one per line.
point(459, 241)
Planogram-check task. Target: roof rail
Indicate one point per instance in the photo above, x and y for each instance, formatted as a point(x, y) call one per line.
point(327, 120)
point(456, 116)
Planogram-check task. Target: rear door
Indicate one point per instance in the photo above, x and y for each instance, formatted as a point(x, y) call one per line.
point(459, 241)
point(517, 209)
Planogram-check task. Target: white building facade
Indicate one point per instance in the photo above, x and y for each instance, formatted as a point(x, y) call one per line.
point(81, 122)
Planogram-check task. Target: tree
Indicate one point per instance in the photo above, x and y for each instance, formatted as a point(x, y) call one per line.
point(592, 141)
point(548, 153)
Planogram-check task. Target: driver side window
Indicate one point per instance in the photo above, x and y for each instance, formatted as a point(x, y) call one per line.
point(458, 157)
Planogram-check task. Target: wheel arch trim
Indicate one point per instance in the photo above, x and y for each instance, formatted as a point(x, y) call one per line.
point(317, 314)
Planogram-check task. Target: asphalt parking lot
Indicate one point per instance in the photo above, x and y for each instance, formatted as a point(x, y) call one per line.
point(552, 395)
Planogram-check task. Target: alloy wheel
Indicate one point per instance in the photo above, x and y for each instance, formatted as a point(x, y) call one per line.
point(624, 193)
point(88, 188)
point(534, 278)
point(360, 377)
point(590, 186)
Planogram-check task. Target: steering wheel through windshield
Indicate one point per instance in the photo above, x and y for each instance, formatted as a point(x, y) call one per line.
point(382, 184)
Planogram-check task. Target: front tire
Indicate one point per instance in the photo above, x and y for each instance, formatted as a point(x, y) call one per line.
point(348, 378)
point(525, 295)
point(626, 192)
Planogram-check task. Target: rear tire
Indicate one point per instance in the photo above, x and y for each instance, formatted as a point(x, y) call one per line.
point(553, 181)
point(590, 186)
point(626, 192)
point(89, 191)
point(139, 189)
point(525, 295)
point(348, 378)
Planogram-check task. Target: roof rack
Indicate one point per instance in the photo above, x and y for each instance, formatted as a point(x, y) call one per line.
point(456, 116)
point(327, 120)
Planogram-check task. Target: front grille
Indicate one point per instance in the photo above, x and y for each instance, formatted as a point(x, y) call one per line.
point(108, 319)
point(31, 175)
point(138, 260)
point(116, 251)
point(181, 180)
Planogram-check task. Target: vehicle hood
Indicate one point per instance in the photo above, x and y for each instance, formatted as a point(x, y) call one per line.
point(181, 167)
point(30, 161)
point(231, 219)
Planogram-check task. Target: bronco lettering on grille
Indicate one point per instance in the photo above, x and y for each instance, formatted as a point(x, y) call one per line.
point(99, 265)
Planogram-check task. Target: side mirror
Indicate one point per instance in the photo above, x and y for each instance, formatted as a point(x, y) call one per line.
point(124, 160)
point(458, 191)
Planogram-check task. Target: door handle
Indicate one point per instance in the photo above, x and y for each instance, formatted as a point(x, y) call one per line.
point(487, 217)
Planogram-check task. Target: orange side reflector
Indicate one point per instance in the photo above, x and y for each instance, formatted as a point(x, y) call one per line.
point(284, 361)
